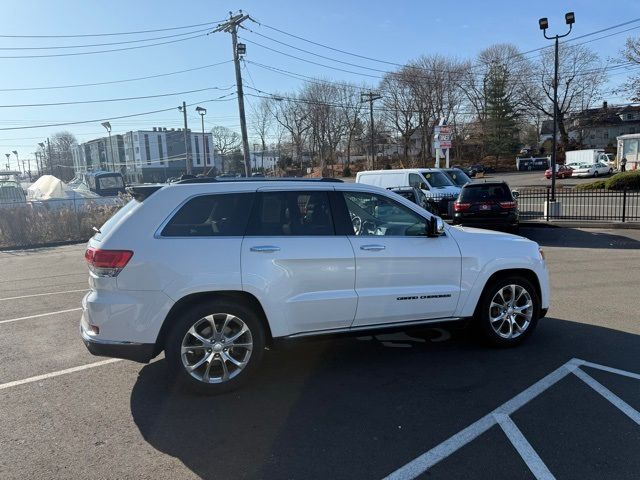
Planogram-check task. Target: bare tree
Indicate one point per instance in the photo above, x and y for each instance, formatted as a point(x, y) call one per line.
point(400, 108)
point(580, 80)
point(291, 113)
point(225, 141)
point(62, 144)
point(327, 123)
point(435, 82)
point(352, 111)
point(262, 121)
point(631, 53)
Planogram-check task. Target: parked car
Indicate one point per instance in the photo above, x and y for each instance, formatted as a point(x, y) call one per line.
point(591, 170)
point(467, 171)
point(562, 171)
point(489, 204)
point(457, 176)
point(416, 196)
point(11, 194)
point(212, 272)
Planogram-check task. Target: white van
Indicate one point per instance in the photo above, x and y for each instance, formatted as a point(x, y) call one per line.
point(432, 181)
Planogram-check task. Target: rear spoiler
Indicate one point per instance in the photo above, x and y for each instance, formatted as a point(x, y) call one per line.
point(140, 192)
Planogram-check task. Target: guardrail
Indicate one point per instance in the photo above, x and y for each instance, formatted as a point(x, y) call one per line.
point(591, 205)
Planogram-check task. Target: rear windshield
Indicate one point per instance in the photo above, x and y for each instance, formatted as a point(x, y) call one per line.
point(481, 192)
point(110, 182)
point(436, 179)
point(113, 221)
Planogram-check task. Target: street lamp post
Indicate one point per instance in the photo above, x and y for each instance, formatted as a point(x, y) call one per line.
point(570, 19)
point(203, 111)
point(8, 155)
point(41, 167)
point(107, 125)
point(15, 152)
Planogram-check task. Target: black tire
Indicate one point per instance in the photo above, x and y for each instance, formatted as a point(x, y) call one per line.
point(595, 174)
point(482, 316)
point(177, 371)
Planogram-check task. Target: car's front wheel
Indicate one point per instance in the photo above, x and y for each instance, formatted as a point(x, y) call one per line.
point(215, 346)
point(508, 311)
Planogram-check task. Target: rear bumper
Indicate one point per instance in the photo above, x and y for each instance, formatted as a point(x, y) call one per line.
point(138, 352)
point(479, 221)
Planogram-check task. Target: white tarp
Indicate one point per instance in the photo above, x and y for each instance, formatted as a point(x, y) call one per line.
point(46, 188)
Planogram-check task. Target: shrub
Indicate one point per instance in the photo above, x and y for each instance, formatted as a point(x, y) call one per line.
point(597, 185)
point(346, 172)
point(622, 180)
point(27, 224)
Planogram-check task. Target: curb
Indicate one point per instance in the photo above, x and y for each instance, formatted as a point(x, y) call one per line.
point(579, 224)
point(41, 245)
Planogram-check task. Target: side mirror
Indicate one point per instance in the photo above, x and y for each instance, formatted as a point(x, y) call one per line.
point(515, 194)
point(435, 227)
point(424, 186)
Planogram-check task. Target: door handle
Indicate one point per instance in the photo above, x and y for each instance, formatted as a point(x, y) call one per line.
point(265, 248)
point(372, 248)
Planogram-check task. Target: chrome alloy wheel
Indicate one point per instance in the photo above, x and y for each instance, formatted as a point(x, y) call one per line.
point(511, 311)
point(216, 348)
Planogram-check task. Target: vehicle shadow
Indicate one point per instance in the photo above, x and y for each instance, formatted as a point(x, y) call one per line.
point(574, 238)
point(357, 407)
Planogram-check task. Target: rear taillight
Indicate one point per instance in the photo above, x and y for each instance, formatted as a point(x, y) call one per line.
point(107, 263)
point(507, 205)
point(461, 207)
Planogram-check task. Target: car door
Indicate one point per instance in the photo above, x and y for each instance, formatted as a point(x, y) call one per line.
point(302, 273)
point(401, 274)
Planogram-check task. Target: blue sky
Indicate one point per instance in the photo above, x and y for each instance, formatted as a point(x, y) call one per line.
point(394, 31)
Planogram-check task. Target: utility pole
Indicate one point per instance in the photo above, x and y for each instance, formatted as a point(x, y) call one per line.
point(231, 26)
point(50, 158)
point(371, 97)
point(183, 109)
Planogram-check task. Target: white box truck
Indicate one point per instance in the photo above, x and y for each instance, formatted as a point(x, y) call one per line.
point(589, 157)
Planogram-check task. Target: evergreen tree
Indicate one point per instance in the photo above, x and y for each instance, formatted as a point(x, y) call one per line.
point(501, 126)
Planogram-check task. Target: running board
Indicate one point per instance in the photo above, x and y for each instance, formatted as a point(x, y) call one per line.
point(383, 326)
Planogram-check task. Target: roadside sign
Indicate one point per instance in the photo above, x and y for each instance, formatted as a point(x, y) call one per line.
point(442, 130)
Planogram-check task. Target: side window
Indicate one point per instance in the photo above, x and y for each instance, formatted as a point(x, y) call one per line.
point(373, 214)
point(291, 213)
point(223, 215)
point(415, 180)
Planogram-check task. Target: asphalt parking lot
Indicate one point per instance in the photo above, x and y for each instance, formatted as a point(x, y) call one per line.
point(427, 403)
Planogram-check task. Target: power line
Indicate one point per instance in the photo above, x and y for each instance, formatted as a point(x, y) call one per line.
point(113, 33)
point(218, 99)
point(54, 87)
point(106, 100)
point(139, 40)
point(105, 51)
point(522, 54)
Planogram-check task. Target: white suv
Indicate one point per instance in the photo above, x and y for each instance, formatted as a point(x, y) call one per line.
point(212, 272)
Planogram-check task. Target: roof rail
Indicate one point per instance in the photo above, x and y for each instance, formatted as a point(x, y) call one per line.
point(257, 179)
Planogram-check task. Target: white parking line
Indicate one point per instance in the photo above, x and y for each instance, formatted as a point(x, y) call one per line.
point(422, 463)
point(43, 294)
point(39, 315)
point(37, 378)
point(428, 459)
point(624, 407)
point(524, 448)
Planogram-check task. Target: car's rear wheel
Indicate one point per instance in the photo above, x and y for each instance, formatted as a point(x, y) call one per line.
point(214, 347)
point(508, 311)
point(595, 174)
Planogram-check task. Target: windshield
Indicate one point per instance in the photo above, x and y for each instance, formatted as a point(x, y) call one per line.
point(110, 182)
point(458, 176)
point(436, 179)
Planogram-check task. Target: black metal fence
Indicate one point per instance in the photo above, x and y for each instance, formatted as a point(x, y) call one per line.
point(573, 204)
